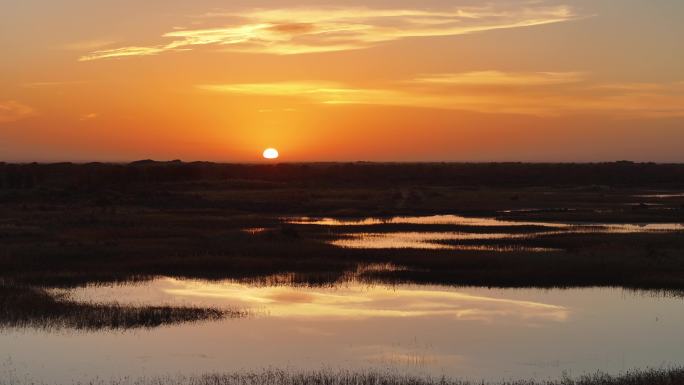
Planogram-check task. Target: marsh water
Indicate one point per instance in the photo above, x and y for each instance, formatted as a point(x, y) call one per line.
point(463, 332)
point(458, 220)
point(504, 230)
point(473, 333)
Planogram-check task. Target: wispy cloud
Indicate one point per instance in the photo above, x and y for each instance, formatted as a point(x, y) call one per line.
point(87, 45)
point(540, 94)
point(287, 31)
point(50, 84)
point(498, 78)
point(89, 116)
point(11, 111)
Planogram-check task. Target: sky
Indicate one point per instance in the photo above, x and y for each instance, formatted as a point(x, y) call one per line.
point(420, 80)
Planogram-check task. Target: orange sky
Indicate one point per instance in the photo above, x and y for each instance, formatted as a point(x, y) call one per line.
point(428, 80)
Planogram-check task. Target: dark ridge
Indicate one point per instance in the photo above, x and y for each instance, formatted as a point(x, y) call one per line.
point(98, 175)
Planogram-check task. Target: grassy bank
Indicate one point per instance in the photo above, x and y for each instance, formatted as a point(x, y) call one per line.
point(30, 307)
point(275, 377)
point(106, 254)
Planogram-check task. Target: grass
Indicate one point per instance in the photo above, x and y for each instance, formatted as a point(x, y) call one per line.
point(673, 376)
point(30, 307)
point(68, 225)
point(73, 255)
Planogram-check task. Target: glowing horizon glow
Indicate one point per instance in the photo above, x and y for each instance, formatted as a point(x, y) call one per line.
point(271, 153)
point(535, 94)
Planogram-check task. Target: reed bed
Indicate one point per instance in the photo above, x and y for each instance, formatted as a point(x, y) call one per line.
point(32, 307)
point(671, 376)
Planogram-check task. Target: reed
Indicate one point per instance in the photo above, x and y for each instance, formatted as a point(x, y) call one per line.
point(671, 376)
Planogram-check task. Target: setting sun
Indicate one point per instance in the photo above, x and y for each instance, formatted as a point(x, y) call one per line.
point(271, 153)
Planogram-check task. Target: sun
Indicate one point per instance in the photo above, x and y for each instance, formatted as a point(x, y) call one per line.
point(271, 153)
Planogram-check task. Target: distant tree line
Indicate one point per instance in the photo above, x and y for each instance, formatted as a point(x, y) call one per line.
point(119, 176)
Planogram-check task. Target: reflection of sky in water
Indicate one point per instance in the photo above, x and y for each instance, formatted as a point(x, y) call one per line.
point(427, 220)
point(641, 228)
point(457, 220)
point(661, 196)
point(476, 333)
point(255, 230)
point(349, 301)
point(430, 240)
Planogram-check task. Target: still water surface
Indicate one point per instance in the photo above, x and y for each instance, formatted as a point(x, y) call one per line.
point(448, 240)
point(433, 241)
point(458, 220)
point(475, 333)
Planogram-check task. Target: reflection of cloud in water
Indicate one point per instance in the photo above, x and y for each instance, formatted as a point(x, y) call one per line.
point(642, 227)
point(517, 335)
point(426, 220)
point(355, 301)
point(661, 196)
point(394, 355)
point(457, 220)
point(434, 240)
point(430, 240)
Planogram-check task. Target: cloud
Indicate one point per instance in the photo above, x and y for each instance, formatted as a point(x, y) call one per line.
point(538, 94)
point(89, 116)
point(11, 111)
point(50, 84)
point(287, 31)
point(321, 92)
point(87, 45)
point(498, 78)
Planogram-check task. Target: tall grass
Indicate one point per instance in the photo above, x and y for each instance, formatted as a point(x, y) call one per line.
point(674, 376)
point(31, 307)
